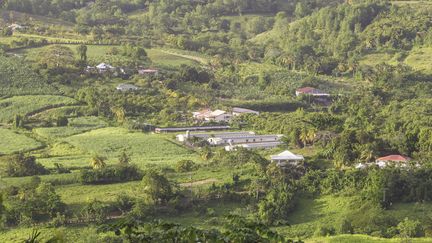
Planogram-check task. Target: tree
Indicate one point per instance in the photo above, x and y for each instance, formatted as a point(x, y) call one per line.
point(410, 228)
point(156, 188)
point(277, 204)
point(18, 122)
point(98, 162)
point(62, 121)
point(82, 51)
point(19, 165)
point(186, 166)
point(56, 56)
point(7, 32)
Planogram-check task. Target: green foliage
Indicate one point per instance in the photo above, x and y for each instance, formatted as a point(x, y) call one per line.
point(19, 79)
point(186, 166)
point(12, 142)
point(410, 228)
point(156, 188)
point(277, 204)
point(30, 104)
point(34, 202)
point(111, 174)
point(19, 165)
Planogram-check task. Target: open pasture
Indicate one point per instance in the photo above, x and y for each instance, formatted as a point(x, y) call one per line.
point(102, 53)
point(143, 148)
point(26, 105)
point(12, 142)
point(76, 126)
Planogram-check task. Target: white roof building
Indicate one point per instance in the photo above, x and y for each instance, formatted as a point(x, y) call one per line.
point(104, 67)
point(205, 136)
point(218, 116)
point(240, 111)
point(268, 145)
point(287, 157)
point(243, 139)
point(127, 87)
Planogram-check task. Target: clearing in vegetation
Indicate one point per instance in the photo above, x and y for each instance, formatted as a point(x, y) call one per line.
point(143, 148)
point(11, 142)
point(27, 105)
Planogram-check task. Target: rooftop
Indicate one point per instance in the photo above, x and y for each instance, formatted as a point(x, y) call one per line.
point(287, 155)
point(395, 158)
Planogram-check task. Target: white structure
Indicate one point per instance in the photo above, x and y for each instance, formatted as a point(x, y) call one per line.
point(219, 116)
point(246, 139)
point(127, 87)
point(311, 91)
point(361, 166)
point(286, 158)
point(396, 160)
point(206, 136)
point(103, 67)
point(15, 27)
point(268, 145)
point(148, 72)
point(240, 111)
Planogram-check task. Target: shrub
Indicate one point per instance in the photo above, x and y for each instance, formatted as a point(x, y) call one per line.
point(111, 174)
point(410, 228)
point(186, 166)
point(20, 165)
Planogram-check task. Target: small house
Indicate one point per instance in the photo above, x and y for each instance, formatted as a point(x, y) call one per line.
point(286, 158)
point(201, 115)
point(15, 27)
point(218, 116)
point(396, 160)
point(127, 87)
point(237, 111)
point(103, 67)
point(148, 72)
point(311, 91)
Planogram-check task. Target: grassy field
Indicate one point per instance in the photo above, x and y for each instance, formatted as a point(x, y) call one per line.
point(100, 53)
point(143, 148)
point(420, 59)
point(363, 239)
point(75, 126)
point(25, 105)
point(12, 142)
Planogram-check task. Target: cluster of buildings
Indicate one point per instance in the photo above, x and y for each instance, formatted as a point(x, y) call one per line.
point(233, 140)
point(107, 68)
point(208, 115)
point(395, 160)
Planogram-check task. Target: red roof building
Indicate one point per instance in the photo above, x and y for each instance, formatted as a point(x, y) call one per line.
point(397, 160)
point(310, 91)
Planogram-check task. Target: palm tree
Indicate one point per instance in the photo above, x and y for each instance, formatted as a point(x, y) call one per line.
point(98, 162)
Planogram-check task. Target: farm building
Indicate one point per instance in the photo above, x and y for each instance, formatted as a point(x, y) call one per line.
point(200, 115)
point(148, 72)
point(127, 87)
point(267, 145)
point(240, 111)
point(15, 27)
point(103, 67)
point(311, 91)
point(395, 160)
point(219, 116)
point(245, 139)
point(206, 136)
point(185, 129)
point(209, 115)
point(286, 158)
